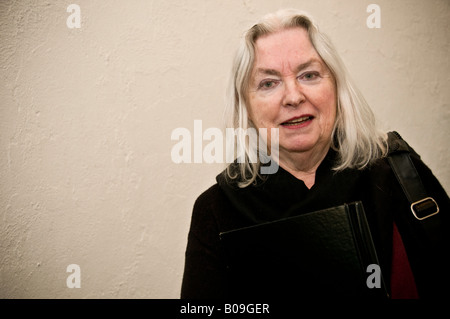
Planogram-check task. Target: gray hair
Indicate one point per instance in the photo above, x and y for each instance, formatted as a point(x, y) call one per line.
point(355, 136)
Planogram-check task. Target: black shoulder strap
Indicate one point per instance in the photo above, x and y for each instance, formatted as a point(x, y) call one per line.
point(423, 207)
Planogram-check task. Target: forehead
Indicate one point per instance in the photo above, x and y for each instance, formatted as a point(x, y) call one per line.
point(288, 46)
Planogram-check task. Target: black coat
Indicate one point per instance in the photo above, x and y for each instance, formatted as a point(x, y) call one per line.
point(225, 207)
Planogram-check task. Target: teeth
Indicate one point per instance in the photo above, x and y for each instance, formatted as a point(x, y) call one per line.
point(297, 121)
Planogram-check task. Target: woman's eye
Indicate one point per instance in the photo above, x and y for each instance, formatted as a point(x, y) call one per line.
point(309, 76)
point(267, 84)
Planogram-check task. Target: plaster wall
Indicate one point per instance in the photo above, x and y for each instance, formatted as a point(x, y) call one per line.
point(86, 115)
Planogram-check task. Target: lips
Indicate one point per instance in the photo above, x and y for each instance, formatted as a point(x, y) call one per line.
point(298, 120)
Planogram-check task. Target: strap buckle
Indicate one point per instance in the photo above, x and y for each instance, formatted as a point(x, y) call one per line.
point(424, 208)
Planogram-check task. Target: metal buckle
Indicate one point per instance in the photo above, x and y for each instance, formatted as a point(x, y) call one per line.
point(424, 208)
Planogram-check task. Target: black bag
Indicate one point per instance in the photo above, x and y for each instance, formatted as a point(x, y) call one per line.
point(423, 207)
point(425, 242)
point(325, 253)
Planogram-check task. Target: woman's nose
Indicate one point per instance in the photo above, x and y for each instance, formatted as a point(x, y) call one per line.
point(293, 95)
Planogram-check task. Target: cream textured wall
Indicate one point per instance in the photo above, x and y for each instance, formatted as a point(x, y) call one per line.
point(86, 118)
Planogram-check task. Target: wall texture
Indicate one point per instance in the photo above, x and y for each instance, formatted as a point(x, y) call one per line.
point(86, 116)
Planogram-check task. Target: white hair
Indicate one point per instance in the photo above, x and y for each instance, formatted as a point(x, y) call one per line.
point(355, 136)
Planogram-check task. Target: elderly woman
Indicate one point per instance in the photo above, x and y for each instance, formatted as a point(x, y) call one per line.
point(287, 75)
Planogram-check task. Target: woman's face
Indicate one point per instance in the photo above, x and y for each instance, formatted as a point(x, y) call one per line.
point(292, 89)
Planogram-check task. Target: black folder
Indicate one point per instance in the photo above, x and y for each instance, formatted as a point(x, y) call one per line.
point(319, 254)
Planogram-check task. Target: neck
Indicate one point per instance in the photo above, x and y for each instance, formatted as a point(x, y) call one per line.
point(303, 165)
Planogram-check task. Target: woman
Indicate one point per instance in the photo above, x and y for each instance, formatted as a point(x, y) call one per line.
point(288, 76)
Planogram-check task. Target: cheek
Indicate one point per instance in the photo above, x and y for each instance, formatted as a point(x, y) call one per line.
point(326, 103)
point(262, 112)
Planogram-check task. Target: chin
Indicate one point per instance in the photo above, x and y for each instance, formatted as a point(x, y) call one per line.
point(301, 144)
point(298, 148)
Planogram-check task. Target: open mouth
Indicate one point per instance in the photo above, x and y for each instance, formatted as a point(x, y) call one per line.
point(298, 121)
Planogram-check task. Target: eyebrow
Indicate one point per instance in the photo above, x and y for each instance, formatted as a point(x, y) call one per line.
point(277, 73)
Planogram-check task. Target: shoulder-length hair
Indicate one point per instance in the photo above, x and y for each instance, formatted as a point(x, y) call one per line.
point(355, 136)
